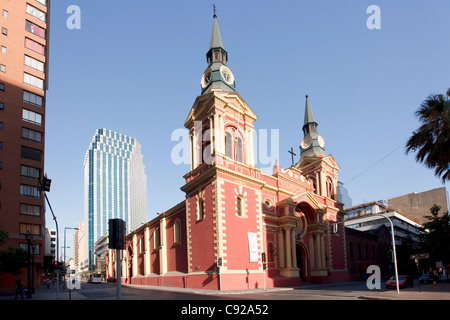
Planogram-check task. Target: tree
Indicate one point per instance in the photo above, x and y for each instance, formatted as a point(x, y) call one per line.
point(431, 141)
point(12, 260)
point(437, 239)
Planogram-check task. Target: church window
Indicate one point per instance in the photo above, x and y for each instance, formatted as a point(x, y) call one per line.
point(234, 145)
point(177, 232)
point(228, 145)
point(314, 184)
point(330, 192)
point(200, 209)
point(240, 206)
point(216, 56)
point(156, 240)
point(239, 150)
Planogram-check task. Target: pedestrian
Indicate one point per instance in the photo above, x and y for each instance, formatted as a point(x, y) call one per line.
point(18, 290)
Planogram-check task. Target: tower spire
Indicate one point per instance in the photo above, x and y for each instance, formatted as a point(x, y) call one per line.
point(312, 143)
point(216, 38)
point(217, 77)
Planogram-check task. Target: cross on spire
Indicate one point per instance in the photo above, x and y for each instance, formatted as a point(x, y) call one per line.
point(292, 154)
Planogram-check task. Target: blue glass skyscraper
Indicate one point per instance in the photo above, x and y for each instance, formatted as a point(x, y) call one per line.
point(115, 185)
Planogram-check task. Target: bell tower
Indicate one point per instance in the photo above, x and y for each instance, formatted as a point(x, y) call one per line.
point(217, 77)
point(320, 169)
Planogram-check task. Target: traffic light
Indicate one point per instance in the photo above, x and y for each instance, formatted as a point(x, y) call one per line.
point(116, 234)
point(46, 183)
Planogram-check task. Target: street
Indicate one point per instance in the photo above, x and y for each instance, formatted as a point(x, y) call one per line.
point(326, 299)
point(351, 290)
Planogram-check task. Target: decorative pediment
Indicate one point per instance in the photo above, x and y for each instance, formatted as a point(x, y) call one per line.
point(310, 199)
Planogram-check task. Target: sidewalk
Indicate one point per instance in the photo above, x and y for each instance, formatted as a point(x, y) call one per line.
point(42, 293)
point(427, 292)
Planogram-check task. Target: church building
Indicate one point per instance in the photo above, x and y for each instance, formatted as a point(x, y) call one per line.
point(238, 227)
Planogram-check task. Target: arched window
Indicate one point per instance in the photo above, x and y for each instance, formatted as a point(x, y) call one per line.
point(330, 193)
point(239, 206)
point(177, 232)
point(228, 145)
point(239, 156)
point(156, 240)
point(314, 184)
point(234, 145)
point(200, 209)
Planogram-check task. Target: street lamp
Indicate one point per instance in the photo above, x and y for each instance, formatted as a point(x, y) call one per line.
point(393, 244)
point(393, 247)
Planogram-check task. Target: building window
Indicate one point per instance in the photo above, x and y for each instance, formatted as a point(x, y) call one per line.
point(32, 135)
point(2, 87)
point(30, 210)
point(33, 81)
point(33, 99)
point(177, 232)
point(4, 31)
point(30, 191)
point(34, 29)
point(239, 156)
point(313, 184)
point(32, 117)
point(234, 146)
point(43, 2)
point(30, 172)
point(228, 145)
point(33, 229)
point(200, 210)
point(156, 240)
point(330, 193)
point(34, 46)
point(239, 206)
point(3, 50)
point(5, 13)
point(2, 68)
point(2, 106)
point(35, 12)
point(33, 63)
point(31, 154)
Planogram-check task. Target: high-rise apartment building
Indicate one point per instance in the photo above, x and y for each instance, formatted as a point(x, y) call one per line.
point(115, 186)
point(24, 53)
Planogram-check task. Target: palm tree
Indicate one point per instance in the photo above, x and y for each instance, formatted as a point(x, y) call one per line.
point(431, 141)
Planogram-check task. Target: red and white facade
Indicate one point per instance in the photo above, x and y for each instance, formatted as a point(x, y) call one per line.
point(234, 211)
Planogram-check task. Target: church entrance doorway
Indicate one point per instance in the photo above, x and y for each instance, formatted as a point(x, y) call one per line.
point(302, 261)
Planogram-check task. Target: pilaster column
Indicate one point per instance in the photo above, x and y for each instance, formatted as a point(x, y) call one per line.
point(216, 134)
point(293, 249)
point(163, 247)
point(281, 250)
point(287, 233)
point(312, 251)
point(221, 134)
point(135, 256)
point(147, 264)
point(322, 250)
point(251, 148)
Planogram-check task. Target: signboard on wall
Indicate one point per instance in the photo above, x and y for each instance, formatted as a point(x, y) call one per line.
point(253, 246)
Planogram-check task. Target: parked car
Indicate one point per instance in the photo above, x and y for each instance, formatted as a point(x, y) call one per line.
point(426, 278)
point(403, 282)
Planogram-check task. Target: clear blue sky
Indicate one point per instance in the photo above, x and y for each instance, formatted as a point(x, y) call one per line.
point(135, 67)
